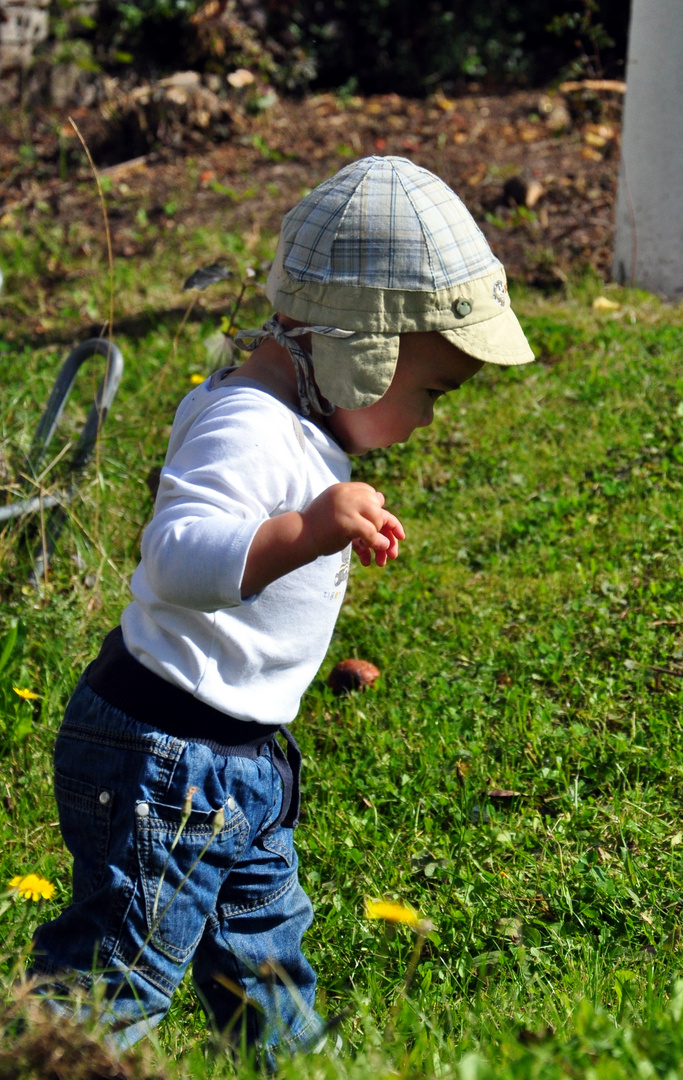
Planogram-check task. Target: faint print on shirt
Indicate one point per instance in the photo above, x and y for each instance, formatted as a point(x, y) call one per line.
point(341, 575)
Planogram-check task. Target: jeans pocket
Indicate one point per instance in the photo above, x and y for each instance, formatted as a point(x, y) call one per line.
point(182, 872)
point(277, 846)
point(84, 818)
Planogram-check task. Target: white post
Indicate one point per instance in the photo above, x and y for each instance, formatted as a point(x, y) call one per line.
point(648, 245)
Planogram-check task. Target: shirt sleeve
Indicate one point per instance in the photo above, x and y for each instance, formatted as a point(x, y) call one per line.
point(235, 467)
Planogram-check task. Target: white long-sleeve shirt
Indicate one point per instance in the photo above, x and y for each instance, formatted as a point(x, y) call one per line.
point(236, 456)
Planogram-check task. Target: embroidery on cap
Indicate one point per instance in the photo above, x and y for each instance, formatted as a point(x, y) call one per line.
point(499, 290)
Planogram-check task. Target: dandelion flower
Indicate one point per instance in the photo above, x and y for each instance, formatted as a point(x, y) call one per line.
point(391, 911)
point(27, 695)
point(32, 887)
point(196, 379)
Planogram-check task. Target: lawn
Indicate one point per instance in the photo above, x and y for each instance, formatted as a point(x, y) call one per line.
point(515, 775)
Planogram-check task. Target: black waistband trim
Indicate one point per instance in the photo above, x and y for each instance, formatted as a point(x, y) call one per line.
point(131, 687)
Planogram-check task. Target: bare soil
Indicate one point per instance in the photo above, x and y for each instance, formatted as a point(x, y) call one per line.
point(538, 171)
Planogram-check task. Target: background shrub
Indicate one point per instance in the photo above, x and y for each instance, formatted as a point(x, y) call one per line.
point(372, 46)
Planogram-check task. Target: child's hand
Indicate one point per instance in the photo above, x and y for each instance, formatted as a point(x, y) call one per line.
point(344, 513)
point(353, 512)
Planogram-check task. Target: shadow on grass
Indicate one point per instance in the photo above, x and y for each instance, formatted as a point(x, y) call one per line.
point(136, 326)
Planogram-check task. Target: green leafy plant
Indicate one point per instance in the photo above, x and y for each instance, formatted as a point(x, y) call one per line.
point(593, 39)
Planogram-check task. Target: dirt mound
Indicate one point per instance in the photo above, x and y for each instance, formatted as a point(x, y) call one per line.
point(36, 1045)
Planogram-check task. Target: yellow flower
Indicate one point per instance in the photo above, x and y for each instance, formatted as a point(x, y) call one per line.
point(392, 912)
point(27, 695)
point(32, 887)
point(603, 303)
point(197, 380)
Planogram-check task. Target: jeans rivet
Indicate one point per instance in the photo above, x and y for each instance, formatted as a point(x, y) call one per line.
point(232, 805)
point(142, 809)
point(104, 797)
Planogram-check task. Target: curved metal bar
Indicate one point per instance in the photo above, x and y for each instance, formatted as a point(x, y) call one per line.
point(29, 506)
point(60, 392)
point(84, 447)
point(86, 441)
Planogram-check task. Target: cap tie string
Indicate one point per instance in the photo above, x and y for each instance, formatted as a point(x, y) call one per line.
point(309, 399)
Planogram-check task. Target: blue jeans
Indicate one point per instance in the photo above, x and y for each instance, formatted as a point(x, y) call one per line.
point(145, 904)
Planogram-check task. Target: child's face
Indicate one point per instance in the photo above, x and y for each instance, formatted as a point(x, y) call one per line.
point(428, 366)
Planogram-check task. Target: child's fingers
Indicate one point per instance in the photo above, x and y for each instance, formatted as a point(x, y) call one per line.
point(372, 543)
point(396, 527)
point(379, 534)
point(392, 551)
point(384, 546)
point(362, 551)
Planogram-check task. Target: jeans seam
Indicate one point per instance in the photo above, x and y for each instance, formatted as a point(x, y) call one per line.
point(143, 744)
point(232, 909)
point(69, 799)
point(292, 1040)
point(150, 974)
point(125, 895)
point(42, 968)
point(199, 831)
point(276, 847)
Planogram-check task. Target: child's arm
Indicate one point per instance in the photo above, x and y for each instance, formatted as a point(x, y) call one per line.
point(344, 513)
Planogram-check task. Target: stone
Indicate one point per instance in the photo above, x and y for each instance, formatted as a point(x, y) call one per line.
point(22, 27)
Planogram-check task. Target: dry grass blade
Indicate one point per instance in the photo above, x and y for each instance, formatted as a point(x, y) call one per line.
point(107, 230)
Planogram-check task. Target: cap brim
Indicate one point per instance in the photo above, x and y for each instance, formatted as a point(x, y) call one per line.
point(499, 340)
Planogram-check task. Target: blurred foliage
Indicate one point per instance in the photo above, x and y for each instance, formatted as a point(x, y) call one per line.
point(408, 46)
point(370, 46)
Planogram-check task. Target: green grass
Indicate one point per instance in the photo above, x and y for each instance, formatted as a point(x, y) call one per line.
point(530, 639)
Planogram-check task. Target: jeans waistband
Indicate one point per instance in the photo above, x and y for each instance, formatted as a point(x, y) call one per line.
point(128, 685)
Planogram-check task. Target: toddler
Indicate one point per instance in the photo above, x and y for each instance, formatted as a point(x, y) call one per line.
point(176, 799)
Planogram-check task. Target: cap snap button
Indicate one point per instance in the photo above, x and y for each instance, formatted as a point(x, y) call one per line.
point(142, 809)
point(104, 797)
point(462, 308)
point(232, 805)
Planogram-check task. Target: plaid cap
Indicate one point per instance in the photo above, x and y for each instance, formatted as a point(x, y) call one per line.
point(383, 248)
